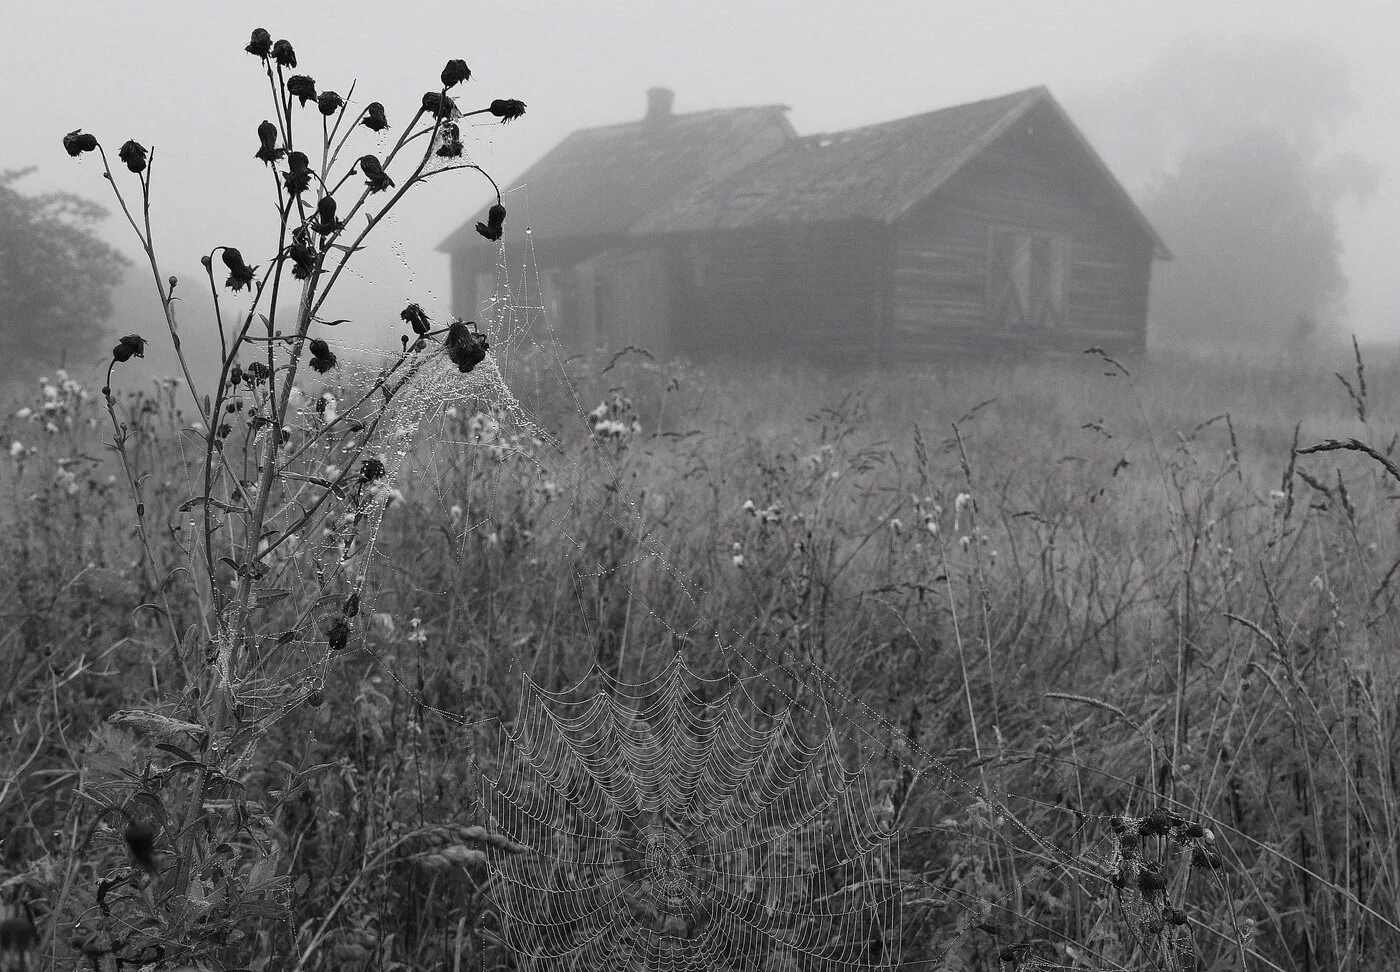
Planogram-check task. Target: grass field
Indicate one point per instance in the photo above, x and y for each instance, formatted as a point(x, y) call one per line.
point(1056, 597)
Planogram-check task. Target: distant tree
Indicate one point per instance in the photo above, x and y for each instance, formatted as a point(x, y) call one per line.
point(56, 278)
point(1257, 253)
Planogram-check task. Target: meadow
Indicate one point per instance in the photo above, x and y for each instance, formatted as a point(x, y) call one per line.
point(1094, 621)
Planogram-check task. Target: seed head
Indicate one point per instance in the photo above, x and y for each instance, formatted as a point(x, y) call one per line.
point(261, 44)
point(495, 223)
point(284, 55)
point(376, 179)
point(1174, 916)
point(325, 222)
point(352, 606)
point(240, 274)
point(322, 357)
point(141, 842)
point(338, 634)
point(374, 118)
point(465, 347)
point(455, 72)
point(133, 153)
point(316, 697)
point(415, 318)
point(297, 178)
point(371, 469)
point(1151, 881)
point(329, 103)
point(76, 142)
point(507, 109)
point(439, 105)
point(303, 259)
point(303, 86)
point(268, 150)
point(133, 345)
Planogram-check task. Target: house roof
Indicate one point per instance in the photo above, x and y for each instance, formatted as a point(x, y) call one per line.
point(875, 172)
point(603, 180)
point(741, 167)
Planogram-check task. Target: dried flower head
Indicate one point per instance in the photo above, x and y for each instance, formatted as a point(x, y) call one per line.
point(507, 109)
point(451, 142)
point(303, 86)
point(338, 634)
point(133, 154)
point(303, 259)
point(240, 275)
point(141, 842)
point(133, 345)
point(374, 118)
point(76, 142)
point(414, 317)
point(325, 222)
point(465, 347)
point(495, 223)
point(372, 469)
point(439, 105)
point(455, 72)
point(322, 357)
point(284, 55)
point(268, 150)
point(261, 44)
point(352, 606)
point(329, 103)
point(297, 178)
point(376, 179)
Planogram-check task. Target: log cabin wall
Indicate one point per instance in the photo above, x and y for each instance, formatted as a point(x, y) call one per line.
point(1032, 180)
point(778, 292)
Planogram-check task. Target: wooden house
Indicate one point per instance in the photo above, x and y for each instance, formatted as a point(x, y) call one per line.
point(991, 225)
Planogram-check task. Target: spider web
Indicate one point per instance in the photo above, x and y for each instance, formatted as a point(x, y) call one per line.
point(727, 807)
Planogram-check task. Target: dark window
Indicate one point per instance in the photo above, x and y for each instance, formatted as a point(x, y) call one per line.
point(1027, 276)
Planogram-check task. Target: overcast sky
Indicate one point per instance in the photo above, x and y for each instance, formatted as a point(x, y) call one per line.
point(174, 75)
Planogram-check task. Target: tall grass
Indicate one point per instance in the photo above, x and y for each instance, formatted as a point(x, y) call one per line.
point(1091, 590)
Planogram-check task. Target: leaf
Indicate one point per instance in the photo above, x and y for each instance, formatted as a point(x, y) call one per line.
point(177, 752)
point(154, 723)
point(194, 501)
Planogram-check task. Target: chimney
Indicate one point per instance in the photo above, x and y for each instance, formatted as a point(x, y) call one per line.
point(659, 101)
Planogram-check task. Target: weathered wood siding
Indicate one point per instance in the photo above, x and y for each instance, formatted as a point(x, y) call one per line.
point(1034, 179)
point(808, 291)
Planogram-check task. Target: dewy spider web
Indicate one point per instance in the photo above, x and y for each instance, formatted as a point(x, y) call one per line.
point(728, 809)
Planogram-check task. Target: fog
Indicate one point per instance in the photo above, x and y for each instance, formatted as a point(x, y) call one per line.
point(1169, 93)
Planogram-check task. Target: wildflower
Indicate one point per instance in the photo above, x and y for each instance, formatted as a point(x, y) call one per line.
point(325, 222)
point(129, 346)
point(303, 87)
point(495, 223)
point(455, 72)
point(76, 142)
point(24, 413)
point(375, 177)
point(240, 274)
point(374, 118)
point(466, 348)
point(749, 508)
point(896, 524)
point(329, 103)
point(133, 153)
point(507, 109)
point(451, 137)
point(261, 44)
point(455, 514)
point(141, 842)
point(439, 105)
point(415, 318)
point(16, 449)
point(961, 502)
point(297, 178)
point(284, 55)
point(338, 634)
point(372, 469)
point(965, 542)
point(267, 139)
point(322, 357)
point(737, 557)
point(303, 260)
